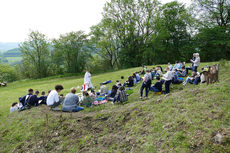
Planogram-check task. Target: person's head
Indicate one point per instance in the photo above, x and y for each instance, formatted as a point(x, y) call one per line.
point(36, 92)
point(31, 91)
point(193, 73)
point(43, 93)
point(176, 62)
point(49, 91)
point(73, 90)
point(84, 93)
point(114, 87)
point(119, 84)
point(158, 78)
point(122, 77)
point(194, 54)
point(92, 91)
point(168, 63)
point(134, 75)
point(167, 69)
point(154, 68)
point(197, 54)
point(14, 104)
point(117, 81)
point(147, 71)
point(59, 88)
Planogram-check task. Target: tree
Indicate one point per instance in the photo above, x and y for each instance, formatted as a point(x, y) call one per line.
point(72, 50)
point(107, 43)
point(36, 55)
point(214, 12)
point(172, 41)
point(131, 23)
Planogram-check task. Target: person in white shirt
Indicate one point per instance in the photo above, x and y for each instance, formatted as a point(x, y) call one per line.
point(87, 81)
point(167, 79)
point(196, 62)
point(14, 107)
point(53, 98)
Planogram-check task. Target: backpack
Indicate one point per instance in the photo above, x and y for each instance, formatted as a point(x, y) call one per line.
point(123, 96)
point(27, 100)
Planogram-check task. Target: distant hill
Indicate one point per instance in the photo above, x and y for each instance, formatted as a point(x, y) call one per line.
point(12, 53)
point(8, 46)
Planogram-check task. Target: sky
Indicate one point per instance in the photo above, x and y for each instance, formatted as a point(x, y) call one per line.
point(51, 17)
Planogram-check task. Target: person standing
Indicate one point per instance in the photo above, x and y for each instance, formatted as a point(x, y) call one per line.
point(196, 62)
point(167, 77)
point(145, 85)
point(87, 81)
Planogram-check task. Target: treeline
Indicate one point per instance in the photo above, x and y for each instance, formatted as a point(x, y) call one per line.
point(133, 33)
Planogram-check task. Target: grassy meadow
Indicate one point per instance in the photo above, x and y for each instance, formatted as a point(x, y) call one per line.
point(186, 120)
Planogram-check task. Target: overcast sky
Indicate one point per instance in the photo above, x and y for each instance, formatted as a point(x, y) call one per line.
point(51, 17)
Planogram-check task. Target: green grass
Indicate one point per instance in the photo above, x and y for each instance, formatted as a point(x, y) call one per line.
point(187, 120)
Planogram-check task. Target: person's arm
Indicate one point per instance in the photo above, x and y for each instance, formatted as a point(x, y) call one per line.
point(56, 98)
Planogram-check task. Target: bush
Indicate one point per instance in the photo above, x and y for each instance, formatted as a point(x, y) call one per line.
point(7, 73)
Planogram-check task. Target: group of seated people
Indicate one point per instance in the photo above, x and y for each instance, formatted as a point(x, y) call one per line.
point(73, 102)
point(173, 75)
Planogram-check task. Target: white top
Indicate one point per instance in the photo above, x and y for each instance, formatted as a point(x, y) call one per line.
point(168, 76)
point(87, 77)
point(197, 61)
point(52, 97)
point(12, 109)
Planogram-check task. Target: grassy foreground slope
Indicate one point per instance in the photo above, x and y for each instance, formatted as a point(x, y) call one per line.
point(187, 120)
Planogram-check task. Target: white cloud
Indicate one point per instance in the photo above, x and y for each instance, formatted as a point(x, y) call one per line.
point(51, 17)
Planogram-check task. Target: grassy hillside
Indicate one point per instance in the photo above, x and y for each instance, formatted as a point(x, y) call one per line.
point(187, 120)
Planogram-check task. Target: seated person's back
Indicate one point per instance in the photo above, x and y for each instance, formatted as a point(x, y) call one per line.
point(71, 101)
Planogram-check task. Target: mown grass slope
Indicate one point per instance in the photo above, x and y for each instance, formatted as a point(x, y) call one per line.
point(187, 120)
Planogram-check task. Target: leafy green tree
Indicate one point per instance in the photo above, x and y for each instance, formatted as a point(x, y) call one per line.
point(36, 55)
point(7, 73)
point(72, 51)
point(172, 41)
point(131, 22)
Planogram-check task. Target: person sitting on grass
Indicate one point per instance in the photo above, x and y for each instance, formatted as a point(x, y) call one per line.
point(14, 107)
point(43, 98)
point(71, 102)
point(129, 82)
point(157, 87)
point(159, 71)
point(53, 100)
point(34, 99)
point(110, 97)
point(193, 79)
point(25, 99)
point(121, 95)
point(167, 79)
point(181, 73)
point(145, 85)
point(138, 77)
point(103, 89)
point(87, 101)
point(175, 79)
point(143, 70)
point(117, 83)
point(93, 94)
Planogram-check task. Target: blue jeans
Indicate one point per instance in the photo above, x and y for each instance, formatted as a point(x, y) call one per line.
point(144, 86)
point(155, 89)
point(194, 68)
point(76, 109)
point(196, 81)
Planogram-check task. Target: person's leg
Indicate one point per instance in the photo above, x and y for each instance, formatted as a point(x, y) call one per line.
point(142, 88)
point(55, 104)
point(155, 89)
point(196, 81)
point(77, 109)
point(167, 86)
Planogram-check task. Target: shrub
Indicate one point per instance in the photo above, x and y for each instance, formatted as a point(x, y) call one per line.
point(7, 73)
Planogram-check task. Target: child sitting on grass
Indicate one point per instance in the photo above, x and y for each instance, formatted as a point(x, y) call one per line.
point(14, 107)
point(87, 101)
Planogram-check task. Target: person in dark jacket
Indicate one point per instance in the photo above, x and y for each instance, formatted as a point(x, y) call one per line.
point(157, 87)
point(33, 101)
point(25, 98)
point(43, 98)
point(111, 96)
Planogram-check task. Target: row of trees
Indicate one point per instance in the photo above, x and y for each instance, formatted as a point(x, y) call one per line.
point(133, 33)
